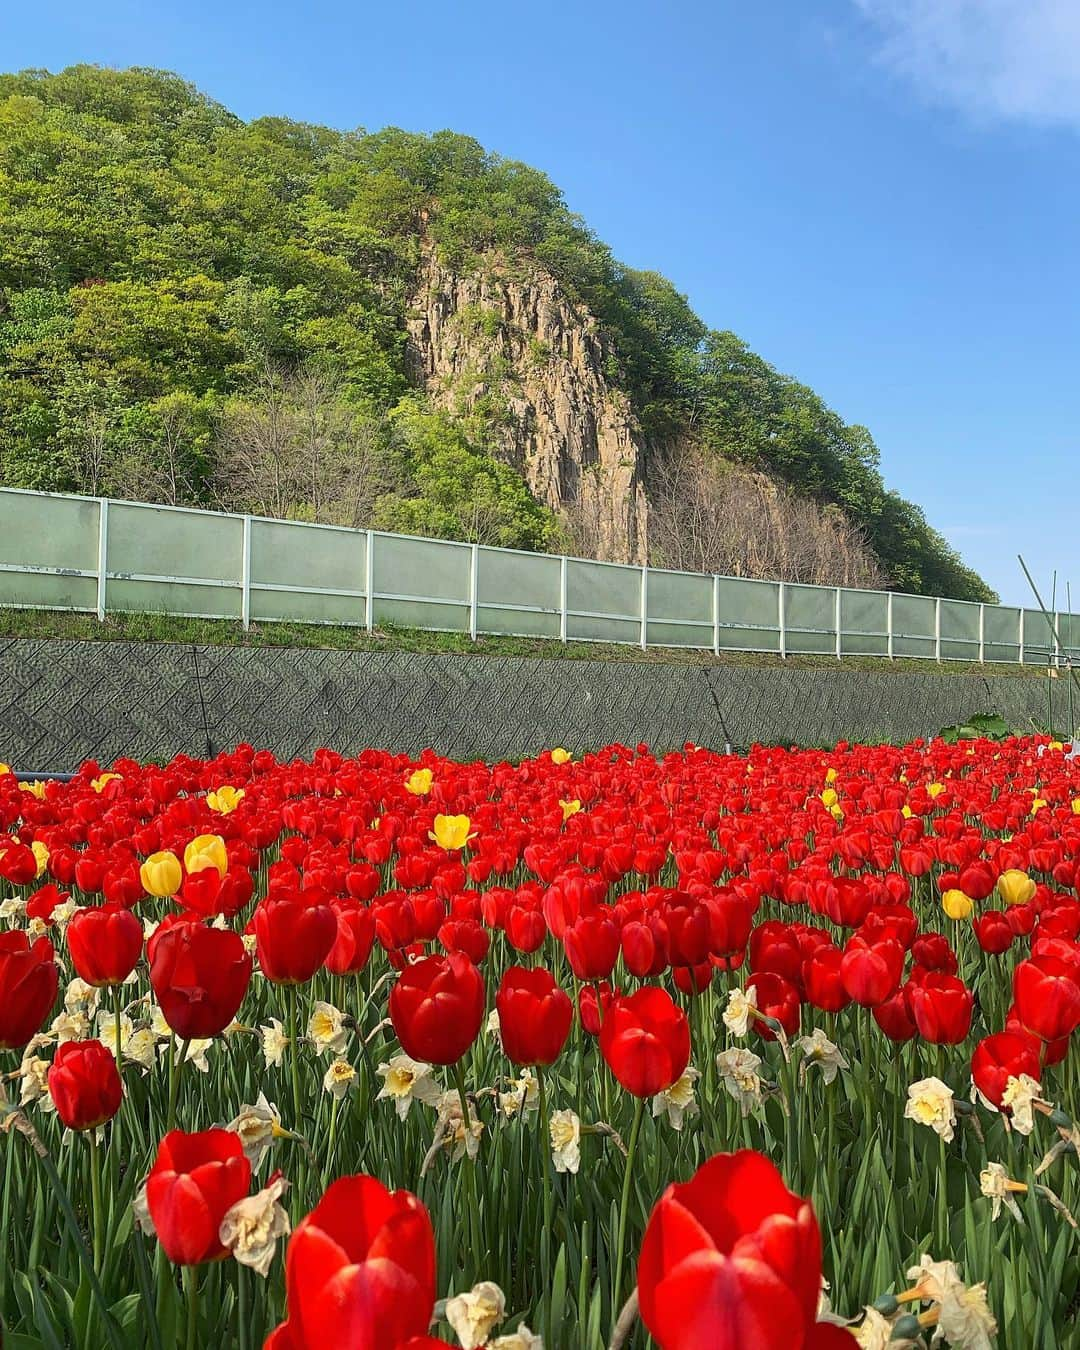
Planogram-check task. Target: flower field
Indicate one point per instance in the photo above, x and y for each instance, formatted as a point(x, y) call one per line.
point(769, 1051)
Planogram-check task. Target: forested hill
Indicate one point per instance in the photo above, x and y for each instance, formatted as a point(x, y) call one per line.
point(399, 330)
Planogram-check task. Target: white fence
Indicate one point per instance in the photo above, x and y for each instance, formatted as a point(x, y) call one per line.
point(99, 556)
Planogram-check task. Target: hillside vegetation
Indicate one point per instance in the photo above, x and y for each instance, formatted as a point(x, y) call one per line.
point(194, 308)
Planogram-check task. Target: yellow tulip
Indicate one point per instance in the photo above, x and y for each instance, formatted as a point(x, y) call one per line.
point(957, 905)
point(829, 798)
point(5, 768)
point(161, 874)
point(35, 789)
point(569, 808)
point(1076, 806)
point(1057, 745)
point(419, 783)
point(207, 850)
point(41, 853)
point(1037, 805)
point(906, 811)
point(100, 783)
point(836, 812)
point(832, 776)
point(225, 799)
point(1015, 887)
point(935, 790)
point(451, 832)
point(561, 756)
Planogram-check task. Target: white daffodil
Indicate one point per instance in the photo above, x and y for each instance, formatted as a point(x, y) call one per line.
point(522, 1095)
point(930, 1102)
point(81, 997)
point(274, 1043)
point(522, 1339)
point(141, 1048)
point(677, 1101)
point(34, 1073)
point(326, 1027)
point(1020, 1096)
point(110, 1036)
point(741, 1006)
point(70, 1026)
point(252, 1227)
point(196, 1053)
point(12, 910)
point(339, 1078)
point(459, 1140)
point(965, 1320)
point(933, 1278)
point(565, 1130)
point(874, 1332)
point(819, 1052)
point(406, 1080)
point(996, 1185)
point(257, 1127)
point(475, 1314)
point(740, 1077)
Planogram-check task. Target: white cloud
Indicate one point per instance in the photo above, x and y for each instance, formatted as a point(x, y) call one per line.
point(1008, 60)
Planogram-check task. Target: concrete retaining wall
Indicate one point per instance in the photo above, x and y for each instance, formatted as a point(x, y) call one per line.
point(61, 702)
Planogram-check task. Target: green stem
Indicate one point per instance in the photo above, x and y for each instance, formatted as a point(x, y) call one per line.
point(635, 1130)
point(470, 1175)
point(191, 1279)
point(546, 1164)
point(95, 1199)
point(294, 1051)
point(176, 1065)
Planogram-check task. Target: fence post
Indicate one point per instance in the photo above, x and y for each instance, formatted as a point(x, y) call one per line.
point(1020, 636)
point(937, 630)
point(1057, 640)
point(562, 598)
point(245, 575)
point(102, 556)
point(781, 618)
point(716, 614)
point(982, 634)
point(474, 569)
point(889, 624)
point(839, 636)
point(369, 581)
point(644, 608)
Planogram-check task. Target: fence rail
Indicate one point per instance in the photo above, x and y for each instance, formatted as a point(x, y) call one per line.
point(100, 556)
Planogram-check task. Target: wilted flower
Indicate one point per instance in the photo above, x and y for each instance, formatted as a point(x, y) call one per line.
point(997, 1186)
point(326, 1028)
point(522, 1339)
point(257, 1127)
point(522, 1095)
point(930, 1102)
point(1020, 1096)
point(406, 1080)
point(677, 1101)
point(821, 1053)
point(739, 1074)
point(874, 1332)
point(73, 1026)
point(251, 1228)
point(965, 1321)
point(34, 1072)
point(933, 1278)
point(473, 1315)
point(565, 1130)
point(459, 1140)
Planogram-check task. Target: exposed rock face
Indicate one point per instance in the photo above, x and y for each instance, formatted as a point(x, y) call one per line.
point(507, 337)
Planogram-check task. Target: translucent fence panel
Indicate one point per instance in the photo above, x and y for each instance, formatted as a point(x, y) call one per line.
point(914, 626)
point(422, 583)
point(174, 562)
point(749, 615)
point(603, 601)
point(83, 553)
point(810, 619)
point(959, 631)
point(307, 573)
point(864, 623)
point(680, 609)
point(519, 593)
point(48, 551)
point(1001, 633)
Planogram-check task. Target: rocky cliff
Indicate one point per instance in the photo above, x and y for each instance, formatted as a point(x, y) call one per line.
point(504, 338)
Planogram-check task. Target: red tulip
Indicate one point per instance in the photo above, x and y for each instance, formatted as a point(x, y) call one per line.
point(894, 1017)
point(993, 932)
point(776, 998)
point(645, 1040)
point(592, 946)
point(1047, 997)
point(200, 976)
point(28, 981)
point(731, 1259)
point(594, 1000)
point(292, 936)
point(355, 937)
point(437, 1007)
point(941, 1007)
point(104, 944)
point(195, 1180)
point(1000, 1057)
point(822, 982)
point(871, 972)
point(84, 1084)
point(360, 1270)
point(534, 1016)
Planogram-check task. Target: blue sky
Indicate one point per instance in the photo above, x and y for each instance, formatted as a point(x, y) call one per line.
point(880, 196)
